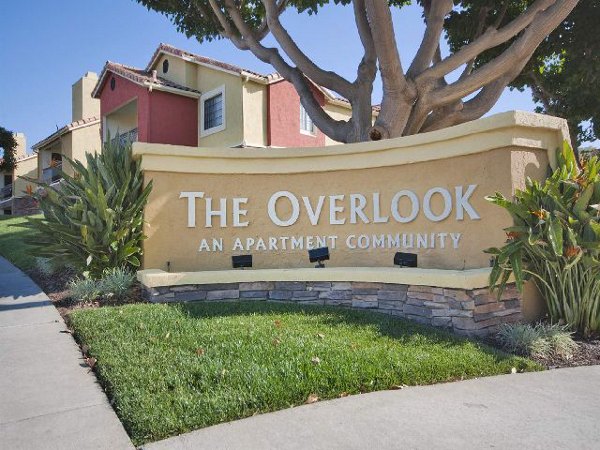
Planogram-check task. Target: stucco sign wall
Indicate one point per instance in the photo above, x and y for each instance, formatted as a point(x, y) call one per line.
point(421, 194)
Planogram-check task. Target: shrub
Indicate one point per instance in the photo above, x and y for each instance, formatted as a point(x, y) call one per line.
point(555, 241)
point(44, 266)
point(93, 220)
point(542, 340)
point(84, 289)
point(116, 282)
point(523, 339)
point(560, 340)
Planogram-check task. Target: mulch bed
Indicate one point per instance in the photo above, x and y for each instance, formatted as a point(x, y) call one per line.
point(587, 354)
point(56, 287)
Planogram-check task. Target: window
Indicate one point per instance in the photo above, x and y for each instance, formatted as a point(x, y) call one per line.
point(165, 66)
point(212, 111)
point(306, 124)
point(113, 83)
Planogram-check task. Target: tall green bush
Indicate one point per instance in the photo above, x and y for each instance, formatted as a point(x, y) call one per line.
point(555, 241)
point(94, 219)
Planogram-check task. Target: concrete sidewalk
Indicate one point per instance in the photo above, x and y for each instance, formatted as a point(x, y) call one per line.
point(49, 399)
point(557, 409)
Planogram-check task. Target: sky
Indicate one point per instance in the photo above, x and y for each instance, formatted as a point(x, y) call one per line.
point(46, 46)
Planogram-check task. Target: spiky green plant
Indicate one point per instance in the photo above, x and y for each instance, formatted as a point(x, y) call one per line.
point(116, 283)
point(555, 241)
point(84, 289)
point(94, 219)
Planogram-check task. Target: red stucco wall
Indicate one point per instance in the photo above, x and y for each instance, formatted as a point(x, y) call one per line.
point(173, 119)
point(163, 118)
point(284, 118)
point(124, 92)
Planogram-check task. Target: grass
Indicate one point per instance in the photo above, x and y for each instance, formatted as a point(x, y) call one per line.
point(14, 242)
point(170, 369)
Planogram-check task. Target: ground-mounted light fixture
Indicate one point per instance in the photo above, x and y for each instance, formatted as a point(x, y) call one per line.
point(318, 255)
point(241, 261)
point(405, 259)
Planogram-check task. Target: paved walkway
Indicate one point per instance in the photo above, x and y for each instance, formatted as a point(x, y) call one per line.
point(557, 409)
point(49, 399)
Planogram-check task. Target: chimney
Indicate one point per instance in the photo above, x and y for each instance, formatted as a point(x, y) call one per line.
point(83, 105)
point(21, 149)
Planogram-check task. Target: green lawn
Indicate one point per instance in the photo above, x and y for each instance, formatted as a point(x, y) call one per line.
point(173, 368)
point(13, 242)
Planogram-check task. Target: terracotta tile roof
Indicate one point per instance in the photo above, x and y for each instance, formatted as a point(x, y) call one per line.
point(66, 129)
point(166, 48)
point(138, 76)
point(146, 76)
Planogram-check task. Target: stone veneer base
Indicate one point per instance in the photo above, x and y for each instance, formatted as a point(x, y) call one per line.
point(475, 312)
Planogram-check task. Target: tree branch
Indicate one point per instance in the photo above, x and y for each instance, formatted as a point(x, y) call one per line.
point(516, 56)
point(435, 12)
point(398, 94)
point(335, 129)
point(328, 79)
point(490, 39)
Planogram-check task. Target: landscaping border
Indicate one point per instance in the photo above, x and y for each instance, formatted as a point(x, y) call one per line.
point(471, 312)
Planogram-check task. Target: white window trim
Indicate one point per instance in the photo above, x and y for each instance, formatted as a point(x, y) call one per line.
point(302, 130)
point(203, 98)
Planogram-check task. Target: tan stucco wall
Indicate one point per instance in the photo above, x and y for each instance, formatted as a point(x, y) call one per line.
point(169, 236)
point(255, 113)
point(233, 134)
point(45, 154)
point(27, 167)
point(494, 153)
point(338, 113)
point(177, 70)
point(83, 104)
point(84, 140)
point(73, 144)
point(122, 120)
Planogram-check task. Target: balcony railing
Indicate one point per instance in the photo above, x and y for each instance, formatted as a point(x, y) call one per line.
point(6, 192)
point(52, 173)
point(126, 138)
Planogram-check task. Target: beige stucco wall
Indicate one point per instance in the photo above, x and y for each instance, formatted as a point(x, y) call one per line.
point(84, 140)
point(233, 134)
point(495, 154)
point(337, 112)
point(83, 104)
point(177, 69)
point(73, 144)
point(121, 121)
point(27, 167)
point(171, 240)
point(45, 154)
point(255, 113)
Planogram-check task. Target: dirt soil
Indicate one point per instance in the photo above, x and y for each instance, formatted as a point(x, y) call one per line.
point(56, 287)
point(587, 354)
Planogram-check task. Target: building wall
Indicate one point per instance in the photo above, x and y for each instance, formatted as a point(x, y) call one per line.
point(233, 134)
point(84, 140)
point(126, 91)
point(177, 72)
point(21, 150)
point(338, 113)
point(83, 104)
point(173, 119)
point(121, 121)
point(27, 167)
point(45, 155)
point(284, 118)
point(255, 114)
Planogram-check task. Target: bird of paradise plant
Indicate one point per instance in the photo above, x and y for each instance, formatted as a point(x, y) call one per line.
point(555, 241)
